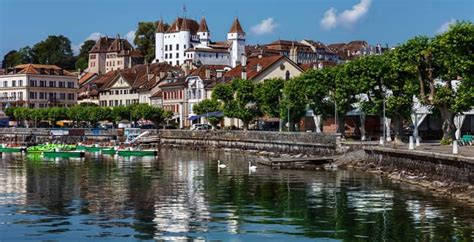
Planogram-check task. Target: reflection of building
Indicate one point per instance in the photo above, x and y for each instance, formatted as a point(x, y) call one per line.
point(38, 86)
point(180, 205)
point(13, 186)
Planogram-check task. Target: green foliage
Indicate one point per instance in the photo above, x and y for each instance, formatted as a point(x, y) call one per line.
point(13, 58)
point(269, 96)
point(55, 50)
point(145, 40)
point(207, 106)
point(81, 64)
point(238, 100)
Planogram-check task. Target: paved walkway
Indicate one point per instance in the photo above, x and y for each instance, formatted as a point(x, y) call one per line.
point(467, 151)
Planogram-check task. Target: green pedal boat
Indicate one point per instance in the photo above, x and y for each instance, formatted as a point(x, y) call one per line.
point(140, 153)
point(12, 149)
point(63, 154)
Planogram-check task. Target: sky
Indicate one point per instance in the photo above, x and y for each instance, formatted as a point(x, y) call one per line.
point(26, 22)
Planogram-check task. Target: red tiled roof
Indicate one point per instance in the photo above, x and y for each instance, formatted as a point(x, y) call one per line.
point(251, 67)
point(203, 26)
point(86, 77)
point(236, 27)
point(189, 24)
point(201, 71)
point(160, 27)
point(40, 69)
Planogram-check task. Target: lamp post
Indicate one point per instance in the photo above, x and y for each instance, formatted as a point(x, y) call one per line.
point(384, 121)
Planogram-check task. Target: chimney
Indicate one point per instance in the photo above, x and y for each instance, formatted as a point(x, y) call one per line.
point(208, 74)
point(243, 62)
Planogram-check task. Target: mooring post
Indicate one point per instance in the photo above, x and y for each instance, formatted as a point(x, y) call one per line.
point(411, 146)
point(455, 147)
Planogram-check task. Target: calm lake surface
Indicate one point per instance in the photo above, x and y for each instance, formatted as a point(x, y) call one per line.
point(184, 195)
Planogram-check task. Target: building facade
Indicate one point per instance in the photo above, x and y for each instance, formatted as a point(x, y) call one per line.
point(109, 54)
point(186, 40)
point(38, 86)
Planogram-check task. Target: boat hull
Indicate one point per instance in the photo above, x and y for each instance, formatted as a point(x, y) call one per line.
point(11, 150)
point(108, 151)
point(141, 153)
point(63, 154)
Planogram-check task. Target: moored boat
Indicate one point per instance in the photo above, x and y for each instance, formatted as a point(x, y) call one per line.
point(139, 153)
point(11, 149)
point(63, 154)
point(110, 151)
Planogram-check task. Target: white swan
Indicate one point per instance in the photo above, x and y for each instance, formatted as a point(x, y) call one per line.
point(252, 167)
point(221, 165)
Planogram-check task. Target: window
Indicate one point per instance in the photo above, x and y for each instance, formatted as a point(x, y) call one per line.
point(42, 83)
point(111, 103)
point(32, 95)
point(177, 46)
point(92, 57)
point(52, 84)
point(177, 63)
point(70, 96)
point(166, 48)
point(127, 102)
point(116, 92)
point(116, 102)
point(166, 56)
point(177, 55)
point(5, 83)
point(62, 96)
point(61, 84)
point(70, 85)
point(13, 83)
point(20, 83)
point(171, 47)
point(20, 95)
point(287, 75)
point(184, 46)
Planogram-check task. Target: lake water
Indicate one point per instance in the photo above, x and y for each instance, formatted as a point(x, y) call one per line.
point(184, 195)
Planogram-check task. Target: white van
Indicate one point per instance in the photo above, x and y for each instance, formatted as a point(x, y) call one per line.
point(201, 127)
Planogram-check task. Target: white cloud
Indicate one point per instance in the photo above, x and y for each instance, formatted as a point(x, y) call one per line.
point(444, 27)
point(347, 18)
point(265, 27)
point(329, 20)
point(130, 36)
point(77, 47)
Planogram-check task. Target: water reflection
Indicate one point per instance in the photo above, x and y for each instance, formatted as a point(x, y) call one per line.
point(184, 195)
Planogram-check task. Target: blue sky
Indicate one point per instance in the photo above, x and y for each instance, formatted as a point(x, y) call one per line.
point(25, 22)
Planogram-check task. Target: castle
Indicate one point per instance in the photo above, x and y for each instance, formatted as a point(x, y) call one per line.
point(187, 41)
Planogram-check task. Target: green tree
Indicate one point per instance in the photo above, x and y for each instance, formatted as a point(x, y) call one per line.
point(238, 100)
point(208, 106)
point(269, 95)
point(447, 57)
point(13, 58)
point(83, 57)
point(145, 40)
point(55, 50)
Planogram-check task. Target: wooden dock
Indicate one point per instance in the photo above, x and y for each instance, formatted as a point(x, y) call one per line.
point(291, 162)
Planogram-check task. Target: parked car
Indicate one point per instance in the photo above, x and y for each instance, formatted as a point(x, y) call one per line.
point(201, 127)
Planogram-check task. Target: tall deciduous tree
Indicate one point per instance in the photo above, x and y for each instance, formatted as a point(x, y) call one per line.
point(55, 50)
point(269, 95)
point(145, 40)
point(83, 57)
point(208, 106)
point(238, 100)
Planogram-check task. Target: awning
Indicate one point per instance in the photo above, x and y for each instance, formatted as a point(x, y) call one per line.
point(213, 114)
point(192, 118)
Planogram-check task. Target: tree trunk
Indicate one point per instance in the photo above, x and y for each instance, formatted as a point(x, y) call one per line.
point(398, 129)
point(448, 123)
point(341, 121)
point(246, 125)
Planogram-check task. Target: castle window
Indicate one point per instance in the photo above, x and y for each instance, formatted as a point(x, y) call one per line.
point(166, 48)
point(177, 46)
point(184, 46)
point(177, 55)
point(171, 47)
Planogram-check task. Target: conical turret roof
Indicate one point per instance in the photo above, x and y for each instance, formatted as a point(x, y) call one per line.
point(203, 26)
point(160, 27)
point(236, 27)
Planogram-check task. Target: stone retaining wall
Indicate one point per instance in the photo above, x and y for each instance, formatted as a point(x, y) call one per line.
point(278, 142)
point(441, 167)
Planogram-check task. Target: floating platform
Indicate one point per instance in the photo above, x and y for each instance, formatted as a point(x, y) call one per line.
point(140, 153)
point(63, 154)
point(295, 162)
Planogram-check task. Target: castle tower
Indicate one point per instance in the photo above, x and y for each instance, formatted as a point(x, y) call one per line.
point(203, 32)
point(183, 43)
point(236, 36)
point(159, 42)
